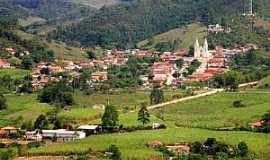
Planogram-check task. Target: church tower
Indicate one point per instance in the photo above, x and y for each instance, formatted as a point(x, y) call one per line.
point(205, 49)
point(197, 50)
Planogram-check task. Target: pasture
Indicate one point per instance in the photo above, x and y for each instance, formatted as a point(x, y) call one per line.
point(186, 36)
point(217, 111)
point(187, 122)
point(14, 73)
point(132, 100)
point(135, 142)
point(22, 108)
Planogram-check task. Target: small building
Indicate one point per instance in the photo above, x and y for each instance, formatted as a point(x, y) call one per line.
point(62, 135)
point(99, 76)
point(4, 64)
point(179, 149)
point(8, 130)
point(89, 129)
point(33, 136)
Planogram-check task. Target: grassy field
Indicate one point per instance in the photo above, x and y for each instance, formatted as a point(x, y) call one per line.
point(186, 36)
point(81, 115)
point(14, 73)
point(208, 112)
point(121, 99)
point(264, 83)
point(83, 110)
point(217, 111)
point(63, 51)
point(135, 142)
point(130, 119)
point(25, 107)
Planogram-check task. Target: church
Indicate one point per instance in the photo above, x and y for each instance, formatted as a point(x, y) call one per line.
point(202, 54)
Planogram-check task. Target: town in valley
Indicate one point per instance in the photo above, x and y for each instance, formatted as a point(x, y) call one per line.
point(131, 79)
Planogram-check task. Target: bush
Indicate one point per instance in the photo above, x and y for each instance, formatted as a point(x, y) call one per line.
point(34, 144)
point(242, 149)
point(238, 104)
point(115, 153)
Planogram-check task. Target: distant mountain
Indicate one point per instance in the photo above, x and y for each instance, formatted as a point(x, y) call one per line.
point(52, 9)
point(127, 24)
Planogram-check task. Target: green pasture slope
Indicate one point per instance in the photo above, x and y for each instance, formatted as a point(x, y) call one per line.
point(26, 107)
point(187, 122)
point(122, 99)
point(14, 73)
point(217, 111)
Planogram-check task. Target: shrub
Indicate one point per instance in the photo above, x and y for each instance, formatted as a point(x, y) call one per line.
point(242, 149)
point(34, 144)
point(115, 153)
point(238, 104)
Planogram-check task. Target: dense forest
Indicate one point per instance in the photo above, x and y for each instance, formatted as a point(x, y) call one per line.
point(128, 23)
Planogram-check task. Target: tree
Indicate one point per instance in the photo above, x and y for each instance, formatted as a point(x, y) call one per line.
point(27, 62)
point(3, 104)
point(232, 80)
point(45, 71)
point(242, 148)
point(180, 63)
point(157, 95)
point(91, 55)
point(191, 51)
point(114, 153)
point(110, 116)
point(41, 122)
point(143, 115)
point(57, 92)
point(26, 88)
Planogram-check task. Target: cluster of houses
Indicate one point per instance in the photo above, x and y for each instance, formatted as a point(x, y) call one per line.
point(44, 72)
point(62, 135)
point(213, 62)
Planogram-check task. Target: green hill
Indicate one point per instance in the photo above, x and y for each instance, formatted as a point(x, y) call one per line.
point(184, 36)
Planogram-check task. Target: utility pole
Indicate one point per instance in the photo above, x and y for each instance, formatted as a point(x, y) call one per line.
point(251, 8)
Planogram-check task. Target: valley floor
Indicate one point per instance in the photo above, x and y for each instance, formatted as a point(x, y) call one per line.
point(189, 121)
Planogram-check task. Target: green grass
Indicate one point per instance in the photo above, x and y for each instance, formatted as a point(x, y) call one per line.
point(217, 111)
point(130, 119)
point(186, 36)
point(25, 106)
point(63, 51)
point(132, 145)
point(14, 73)
point(211, 112)
point(264, 83)
point(81, 114)
point(121, 99)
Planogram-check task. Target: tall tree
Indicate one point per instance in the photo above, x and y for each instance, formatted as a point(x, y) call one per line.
point(115, 153)
point(157, 95)
point(143, 115)
point(3, 104)
point(110, 116)
point(41, 122)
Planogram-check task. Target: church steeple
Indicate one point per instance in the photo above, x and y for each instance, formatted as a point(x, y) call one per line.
point(205, 49)
point(197, 52)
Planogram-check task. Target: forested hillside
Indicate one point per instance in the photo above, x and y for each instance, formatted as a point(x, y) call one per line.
point(51, 9)
point(125, 24)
